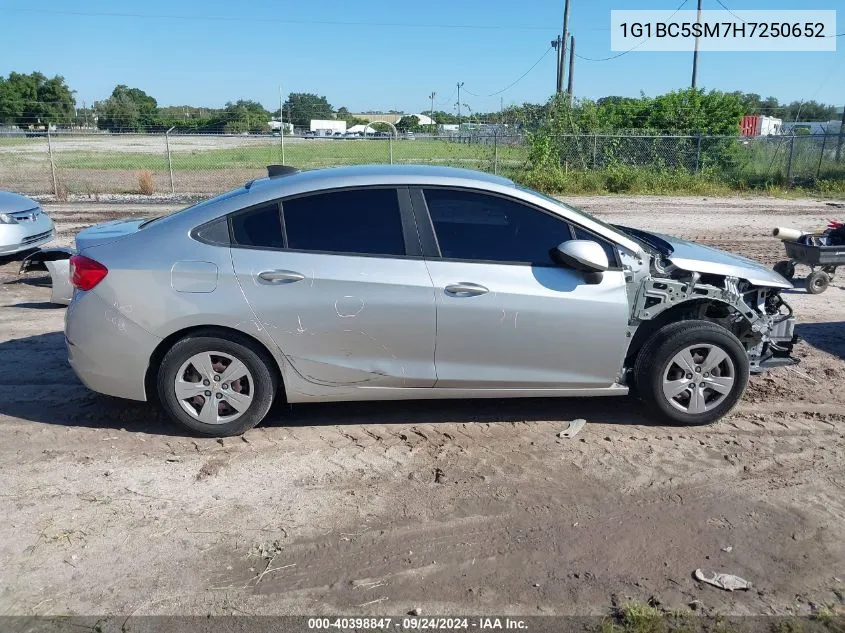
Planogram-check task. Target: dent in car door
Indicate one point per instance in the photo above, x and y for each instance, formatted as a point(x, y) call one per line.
point(517, 325)
point(342, 319)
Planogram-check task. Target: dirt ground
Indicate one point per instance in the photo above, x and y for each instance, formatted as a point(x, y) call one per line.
point(452, 507)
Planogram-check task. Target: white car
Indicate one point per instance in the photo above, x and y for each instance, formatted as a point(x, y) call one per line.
point(23, 225)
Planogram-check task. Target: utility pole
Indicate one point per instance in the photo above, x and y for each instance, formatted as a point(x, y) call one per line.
point(556, 45)
point(281, 125)
point(571, 83)
point(695, 54)
point(431, 112)
point(460, 83)
point(562, 67)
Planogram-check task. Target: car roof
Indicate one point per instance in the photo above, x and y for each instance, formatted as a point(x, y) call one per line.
point(358, 175)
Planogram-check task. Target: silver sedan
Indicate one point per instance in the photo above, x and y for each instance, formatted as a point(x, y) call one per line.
point(408, 282)
point(23, 225)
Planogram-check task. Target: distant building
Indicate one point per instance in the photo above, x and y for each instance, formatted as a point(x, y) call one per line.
point(812, 127)
point(393, 118)
point(360, 129)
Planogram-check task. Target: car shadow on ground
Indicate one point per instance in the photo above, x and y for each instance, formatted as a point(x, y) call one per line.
point(37, 305)
point(38, 364)
point(827, 337)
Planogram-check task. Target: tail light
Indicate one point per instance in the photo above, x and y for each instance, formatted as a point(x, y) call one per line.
point(85, 273)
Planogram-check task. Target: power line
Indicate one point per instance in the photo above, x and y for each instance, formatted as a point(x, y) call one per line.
point(725, 7)
point(252, 20)
point(605, 59)
point(512, 84)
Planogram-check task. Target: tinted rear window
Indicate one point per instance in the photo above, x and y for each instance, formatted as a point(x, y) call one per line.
point(365, 221)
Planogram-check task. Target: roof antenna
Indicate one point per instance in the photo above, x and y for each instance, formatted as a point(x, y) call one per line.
point(274, 171)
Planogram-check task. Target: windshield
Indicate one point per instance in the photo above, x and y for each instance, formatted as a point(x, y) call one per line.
point(575, 210)
point(222, 196)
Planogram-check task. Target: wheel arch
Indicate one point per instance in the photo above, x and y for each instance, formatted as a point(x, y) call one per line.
point(210, 330)
point(709, 309)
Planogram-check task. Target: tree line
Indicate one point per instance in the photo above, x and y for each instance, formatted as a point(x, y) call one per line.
point(33, 100)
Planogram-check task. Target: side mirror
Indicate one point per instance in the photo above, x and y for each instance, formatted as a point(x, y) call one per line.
point(584, 255)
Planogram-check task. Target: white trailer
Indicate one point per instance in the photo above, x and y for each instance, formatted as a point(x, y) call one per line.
point(328, 126)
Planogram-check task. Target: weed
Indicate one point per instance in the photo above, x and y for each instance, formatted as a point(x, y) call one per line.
point(61, 191)
point(146, 184)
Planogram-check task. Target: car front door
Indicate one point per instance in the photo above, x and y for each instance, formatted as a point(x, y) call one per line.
point(507, 316)
point(337, 280)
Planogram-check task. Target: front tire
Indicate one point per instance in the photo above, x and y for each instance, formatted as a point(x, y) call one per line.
point(691, 372)
point(216, 386)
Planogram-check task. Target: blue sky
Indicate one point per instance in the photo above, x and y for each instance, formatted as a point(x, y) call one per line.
point(246, 49)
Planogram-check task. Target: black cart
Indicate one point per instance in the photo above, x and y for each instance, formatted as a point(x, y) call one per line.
point(822, 260)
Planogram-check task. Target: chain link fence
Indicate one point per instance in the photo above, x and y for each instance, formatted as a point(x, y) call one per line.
point(753, 161)
point(91, 165)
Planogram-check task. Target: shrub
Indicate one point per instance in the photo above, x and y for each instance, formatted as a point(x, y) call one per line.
point(146, 184)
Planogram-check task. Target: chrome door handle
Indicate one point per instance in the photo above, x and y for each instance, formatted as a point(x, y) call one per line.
point(465, 289)
point(278, 277)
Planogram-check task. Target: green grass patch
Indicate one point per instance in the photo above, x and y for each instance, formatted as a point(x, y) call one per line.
point(648, 181)
point(304, 154)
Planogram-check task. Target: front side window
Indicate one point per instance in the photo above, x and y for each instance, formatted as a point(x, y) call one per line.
point(477, 226)
point(355, 221)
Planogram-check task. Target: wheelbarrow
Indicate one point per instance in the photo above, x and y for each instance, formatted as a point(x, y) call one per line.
point(822, 260)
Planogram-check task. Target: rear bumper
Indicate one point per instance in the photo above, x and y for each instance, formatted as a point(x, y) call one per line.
point(108, 351)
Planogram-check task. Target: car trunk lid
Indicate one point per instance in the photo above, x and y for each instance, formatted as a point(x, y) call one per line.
point(106, 232)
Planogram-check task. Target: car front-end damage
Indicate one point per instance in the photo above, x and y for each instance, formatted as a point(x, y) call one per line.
point(673, 280)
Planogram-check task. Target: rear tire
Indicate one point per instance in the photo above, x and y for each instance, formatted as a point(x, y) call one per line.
point(196, 391)
point(691, 372)
point(817, 282)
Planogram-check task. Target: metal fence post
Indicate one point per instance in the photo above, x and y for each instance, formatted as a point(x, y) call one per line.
point(170, 159)
point(390, 147)
point(789, 166)
point(595, 149)
point(52, 163)
point(821, 155)
point(697, 152)
point(496, 153)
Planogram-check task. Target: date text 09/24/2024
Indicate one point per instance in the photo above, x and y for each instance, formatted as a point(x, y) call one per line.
point(416, 623)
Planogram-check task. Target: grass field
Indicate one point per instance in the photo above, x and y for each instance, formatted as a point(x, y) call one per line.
point(90, 165)
point(299, 153)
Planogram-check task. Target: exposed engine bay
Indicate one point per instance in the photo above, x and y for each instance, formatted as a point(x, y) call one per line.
point(661, 292)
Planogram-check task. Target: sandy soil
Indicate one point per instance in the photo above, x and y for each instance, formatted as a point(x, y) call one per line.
point(452, 507)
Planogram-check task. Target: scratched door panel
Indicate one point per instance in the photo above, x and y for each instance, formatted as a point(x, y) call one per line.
point(534, 327)
point(350, 321)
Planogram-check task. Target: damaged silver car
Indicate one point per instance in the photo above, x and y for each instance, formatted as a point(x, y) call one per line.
point(410, 282)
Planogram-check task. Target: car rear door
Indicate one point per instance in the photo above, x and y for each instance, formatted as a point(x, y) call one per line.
point(337, 280)
point(507, 316)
